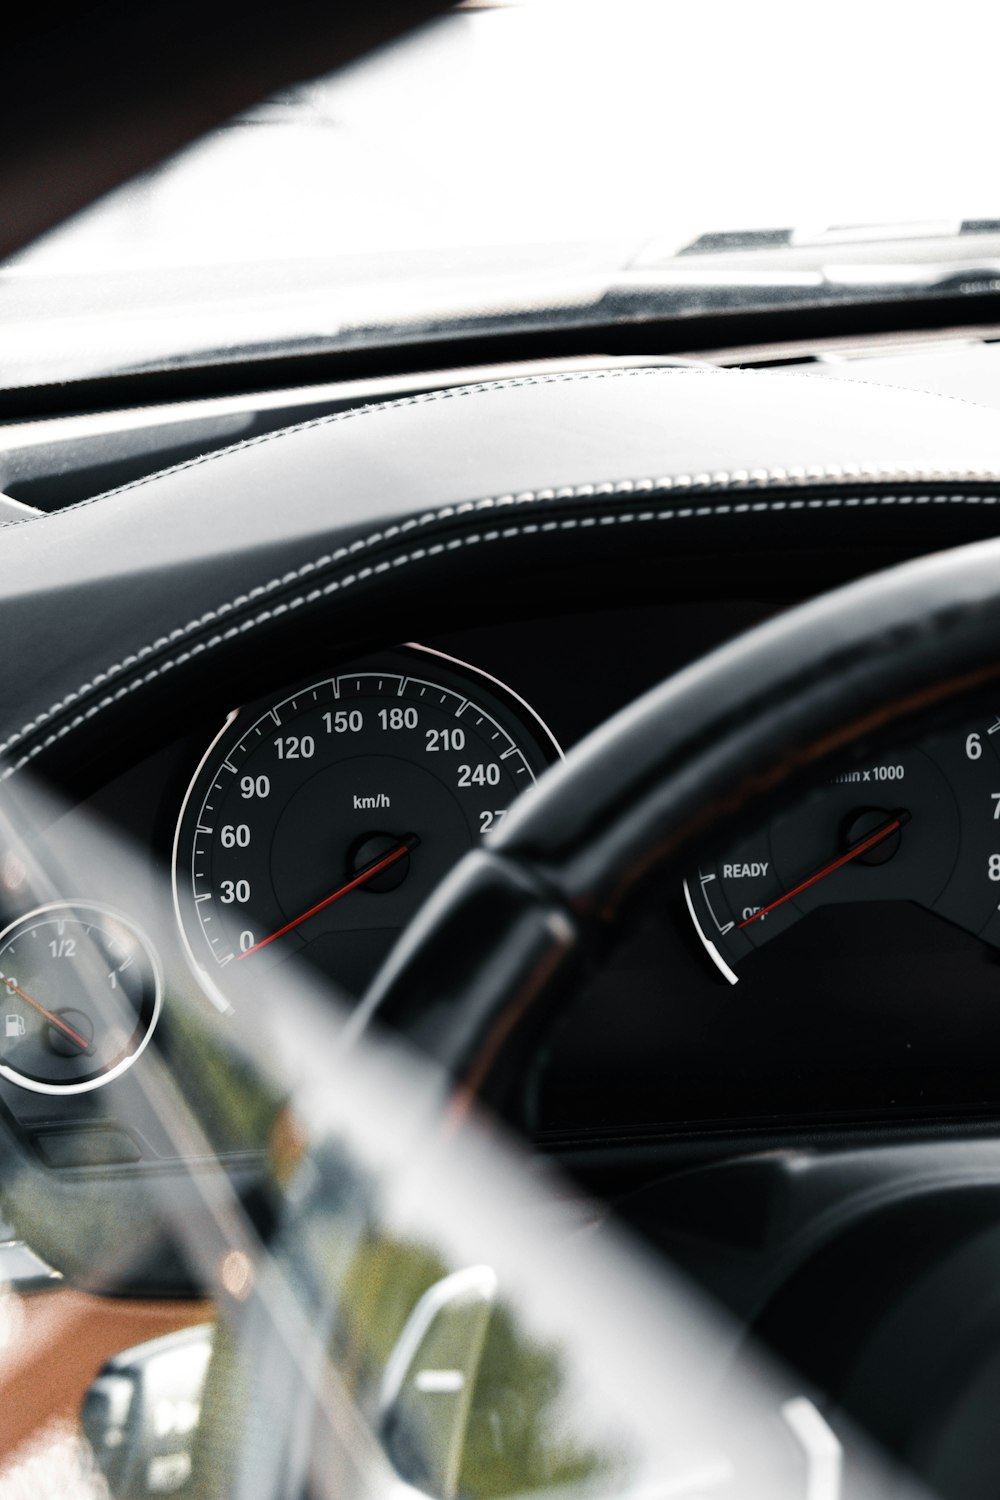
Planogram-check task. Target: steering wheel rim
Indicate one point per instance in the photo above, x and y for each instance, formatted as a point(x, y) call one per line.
point(480, 970)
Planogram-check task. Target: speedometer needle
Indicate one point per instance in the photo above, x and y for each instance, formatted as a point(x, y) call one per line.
point(49, 1015)
point(893, 824)
point(366, 873)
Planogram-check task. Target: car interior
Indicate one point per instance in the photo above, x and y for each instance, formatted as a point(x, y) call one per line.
point(499, 845)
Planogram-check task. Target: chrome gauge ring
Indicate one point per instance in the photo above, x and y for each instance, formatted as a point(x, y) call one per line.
point(318, 824)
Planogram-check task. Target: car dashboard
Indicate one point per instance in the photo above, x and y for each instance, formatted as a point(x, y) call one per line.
point(851, 1019)
point(292, 808)
point(289, 672)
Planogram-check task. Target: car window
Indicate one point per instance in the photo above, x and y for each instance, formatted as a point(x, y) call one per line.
point(535, 165)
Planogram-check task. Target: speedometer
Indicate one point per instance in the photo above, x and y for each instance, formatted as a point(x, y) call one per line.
point(318, 822)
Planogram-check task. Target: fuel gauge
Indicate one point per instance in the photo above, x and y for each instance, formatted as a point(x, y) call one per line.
point(80, 995)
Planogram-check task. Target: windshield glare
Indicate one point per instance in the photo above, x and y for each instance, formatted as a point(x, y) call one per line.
point(395, 1303)
point(523, 161)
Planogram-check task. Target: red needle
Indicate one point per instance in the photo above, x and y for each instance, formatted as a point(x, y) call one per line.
point(361, 878)
point(875, 837)
point(52, 1019)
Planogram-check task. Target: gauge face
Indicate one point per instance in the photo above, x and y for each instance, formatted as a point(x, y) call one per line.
point(921, 825)
point(319, 823)
point(79, 998)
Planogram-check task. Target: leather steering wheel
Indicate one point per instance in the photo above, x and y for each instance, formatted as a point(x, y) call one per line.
point(709, 751)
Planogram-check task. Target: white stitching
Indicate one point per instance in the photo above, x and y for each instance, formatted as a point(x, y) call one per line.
point(806, 473)
point(418, 554)
point(916, 390)
point(424, 398)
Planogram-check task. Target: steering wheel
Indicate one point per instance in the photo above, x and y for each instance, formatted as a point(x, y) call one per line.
point(707, 753)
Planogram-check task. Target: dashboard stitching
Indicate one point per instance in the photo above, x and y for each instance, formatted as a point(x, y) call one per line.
point(757, 478)
point(917, 390)
point(331, 418)
point(418, 554)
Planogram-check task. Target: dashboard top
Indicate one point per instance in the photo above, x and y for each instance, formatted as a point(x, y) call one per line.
point(357, 515)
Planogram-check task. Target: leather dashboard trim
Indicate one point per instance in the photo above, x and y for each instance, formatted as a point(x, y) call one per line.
point(102, 600)
point(141, 677)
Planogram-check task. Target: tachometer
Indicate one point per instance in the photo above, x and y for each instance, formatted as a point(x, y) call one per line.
point(921, 825)
point(319, 822)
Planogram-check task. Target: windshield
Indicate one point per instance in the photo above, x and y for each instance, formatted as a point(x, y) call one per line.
point(539, 165)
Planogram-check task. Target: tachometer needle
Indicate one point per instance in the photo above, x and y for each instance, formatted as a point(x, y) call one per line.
point(49, 1015)
point(892, 825)
point(366, 873)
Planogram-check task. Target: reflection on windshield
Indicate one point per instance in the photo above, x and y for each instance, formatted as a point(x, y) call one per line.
point(480, 1409)
point(303, 1276)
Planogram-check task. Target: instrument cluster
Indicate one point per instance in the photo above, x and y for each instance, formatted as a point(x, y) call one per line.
point(839, 965)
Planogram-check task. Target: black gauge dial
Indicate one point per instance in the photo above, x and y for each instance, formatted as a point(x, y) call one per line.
point(920, 825)
point(319, 822)
point(79, 998)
